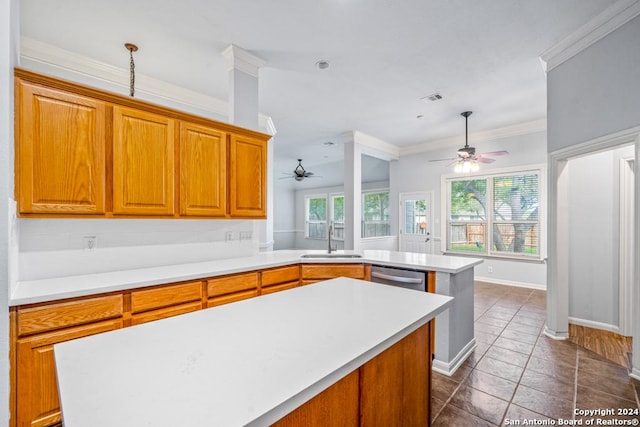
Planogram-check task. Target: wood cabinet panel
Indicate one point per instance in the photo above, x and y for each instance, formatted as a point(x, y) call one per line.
point(36, 384)
point(165, 296)
point(280, 275)
point(329, 271)
point(247, 177)
point(280, 287)
point(48, 317)
point(60, 155)
point(203, 171)
point(336, 406)
point(395, 386)
point(233, 297)
point(143, 163)
point(165, 312)
point(229, 284)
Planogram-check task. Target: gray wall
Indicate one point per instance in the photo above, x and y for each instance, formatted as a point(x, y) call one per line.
point(9, 30)
point(597, 92)
point(594, 200)
point(415, 173)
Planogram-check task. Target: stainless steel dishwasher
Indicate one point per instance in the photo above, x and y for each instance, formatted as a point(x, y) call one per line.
point(409, 279)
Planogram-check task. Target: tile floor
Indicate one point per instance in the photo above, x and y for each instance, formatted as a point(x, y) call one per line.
point(517, 376)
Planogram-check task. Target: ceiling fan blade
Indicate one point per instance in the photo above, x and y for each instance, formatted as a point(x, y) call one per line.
point(485, 160)
point(494, 153)
point(287, 177)
point(444, 160)
point(308, 174)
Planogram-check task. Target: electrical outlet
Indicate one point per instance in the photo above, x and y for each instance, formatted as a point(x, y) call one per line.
point(89, 243)
point(228, 236)
point(489, 269)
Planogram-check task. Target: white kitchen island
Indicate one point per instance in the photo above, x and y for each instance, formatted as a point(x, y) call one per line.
point(246, 363)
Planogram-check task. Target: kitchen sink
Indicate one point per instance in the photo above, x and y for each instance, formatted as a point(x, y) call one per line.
point(331, 256)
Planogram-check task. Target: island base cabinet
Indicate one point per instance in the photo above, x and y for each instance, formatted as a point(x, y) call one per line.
point(392, 389)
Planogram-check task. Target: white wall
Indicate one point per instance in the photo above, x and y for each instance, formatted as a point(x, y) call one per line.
point(416, 173)
point(594, 200)
point(284, 221)
point(9, 30)
point(596, 92)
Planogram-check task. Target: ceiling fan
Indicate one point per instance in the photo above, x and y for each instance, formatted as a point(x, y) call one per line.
point(299, 173)
point(468, 160)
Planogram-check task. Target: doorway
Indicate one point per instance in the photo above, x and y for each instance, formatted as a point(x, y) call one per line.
point(560, 244)
point(415, 222)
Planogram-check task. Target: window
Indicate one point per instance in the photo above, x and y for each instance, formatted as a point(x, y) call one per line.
point(495, 214)
point(375, 214)
point(316, 217)
point(337, 216)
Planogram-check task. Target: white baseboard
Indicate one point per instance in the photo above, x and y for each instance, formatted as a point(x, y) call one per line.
point(594, 325)
point(535, 286)
point(450, 368)
point(555, 335)
point(635, 373)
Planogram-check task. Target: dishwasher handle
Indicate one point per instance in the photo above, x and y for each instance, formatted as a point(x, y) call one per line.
point(398, 279)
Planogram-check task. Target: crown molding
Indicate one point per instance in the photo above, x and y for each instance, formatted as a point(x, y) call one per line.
point(477, 137)
point(61, 59)
point(240, 59)
point(612, 18)
point(371, 145)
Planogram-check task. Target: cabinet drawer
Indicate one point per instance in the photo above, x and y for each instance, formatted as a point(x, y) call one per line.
point(280, 275)
point(329, 271)
point(229, 284)
point(276, 288)
point(237, 296)
point(61, 315)
point(165, 312)
point(165, 296)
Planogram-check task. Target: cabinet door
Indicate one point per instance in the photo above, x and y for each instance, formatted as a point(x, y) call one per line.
point(61, 152)
point(143, 163)
point(38, 403)
point(248, 177)
point(203, 171)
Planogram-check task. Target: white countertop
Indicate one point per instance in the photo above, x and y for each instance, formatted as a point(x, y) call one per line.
point(33, 291)
point(246, 363)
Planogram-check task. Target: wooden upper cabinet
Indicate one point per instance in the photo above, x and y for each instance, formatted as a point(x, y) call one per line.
point(60, 158)
point(203, 171)
point(143, 163)
point(248, 177)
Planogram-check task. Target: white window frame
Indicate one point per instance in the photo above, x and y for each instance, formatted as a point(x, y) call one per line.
point(540, 169)
point(307, 222)
point(374, 191)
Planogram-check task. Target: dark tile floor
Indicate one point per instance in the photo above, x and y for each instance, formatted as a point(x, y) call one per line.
point(518, 376)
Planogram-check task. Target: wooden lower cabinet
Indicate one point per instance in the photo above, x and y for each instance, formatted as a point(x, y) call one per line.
point(37, 398)
point(392, 389)
point(312, 273)
point(279, 279)
point(236, 287)
point(165, 301)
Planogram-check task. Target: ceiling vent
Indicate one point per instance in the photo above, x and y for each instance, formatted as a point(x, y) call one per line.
point(433, 97)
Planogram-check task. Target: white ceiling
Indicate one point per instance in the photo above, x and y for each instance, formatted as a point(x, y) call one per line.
point(481, 55)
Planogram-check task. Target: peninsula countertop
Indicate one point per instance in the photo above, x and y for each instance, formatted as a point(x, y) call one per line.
point(261, 358)
point(42, 290)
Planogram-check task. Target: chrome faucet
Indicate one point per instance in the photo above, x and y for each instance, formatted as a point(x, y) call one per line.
point(330, 233)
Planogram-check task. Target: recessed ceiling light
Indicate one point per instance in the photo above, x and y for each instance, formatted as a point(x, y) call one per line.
point(322, 64)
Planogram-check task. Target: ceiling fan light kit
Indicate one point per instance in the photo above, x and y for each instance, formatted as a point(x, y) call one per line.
point(467, 160)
